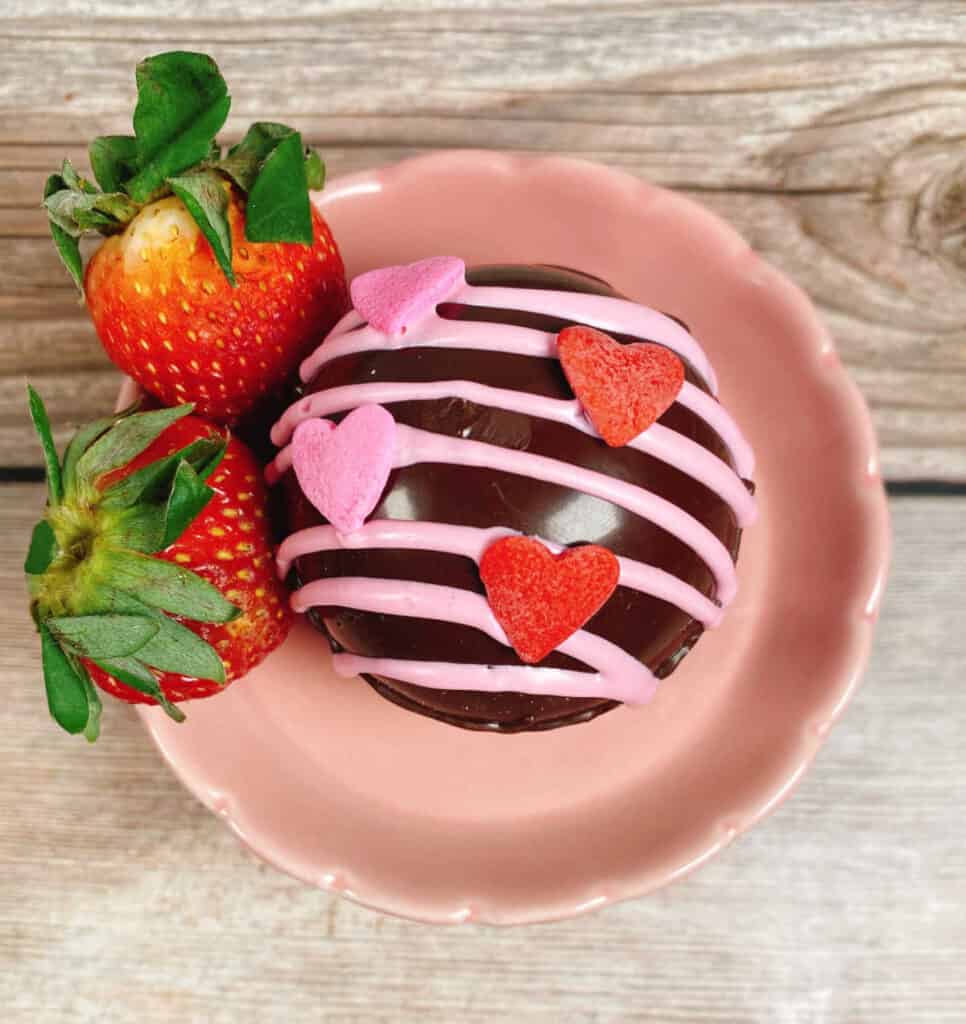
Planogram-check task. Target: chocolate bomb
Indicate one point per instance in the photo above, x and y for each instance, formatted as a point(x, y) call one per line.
point(656, 632)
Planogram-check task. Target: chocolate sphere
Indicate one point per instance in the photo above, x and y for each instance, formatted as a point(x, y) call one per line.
point(652, 630)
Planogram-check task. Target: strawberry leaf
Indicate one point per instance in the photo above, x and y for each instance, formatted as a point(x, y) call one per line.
point(69, 251)
point(182, 103)
point(38, 413)
point(189, 495)
point(245, 160)
point(117, 206)
point(152, 483)
point(206, 468)
point(314, 170)
point(43, 547)
point(65, 243)
point(278, 204)
point(139, 677)
point(84, 438)
point(93, 728)
point(113, 159)
point(166, 586)
point(206, 199)
point(103, 636)
point(125, 440)
point(141, 528)
point(68, 692)
point(162, 501)
point(76, 212)
point(73, 180)
point(175, 648)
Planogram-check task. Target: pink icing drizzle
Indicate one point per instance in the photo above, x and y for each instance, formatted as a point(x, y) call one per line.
point(618, 675)
point(415, 446)
point(604, 312)
point(434, 332)
point(472, 542)
point(714, 414)
point(664, 444)
point(449, 675)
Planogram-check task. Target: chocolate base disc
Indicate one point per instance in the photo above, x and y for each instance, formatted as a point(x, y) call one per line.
point(657, 633)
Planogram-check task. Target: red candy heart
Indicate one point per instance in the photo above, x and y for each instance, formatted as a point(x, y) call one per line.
point(540, 598)
point(623, 388)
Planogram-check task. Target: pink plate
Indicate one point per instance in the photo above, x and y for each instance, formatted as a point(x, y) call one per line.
point(344, 790)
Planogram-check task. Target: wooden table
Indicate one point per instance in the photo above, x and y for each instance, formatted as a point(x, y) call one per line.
point(831, 134)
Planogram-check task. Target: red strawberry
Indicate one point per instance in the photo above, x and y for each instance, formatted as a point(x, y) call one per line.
point(218, 275)
point(168, 317)
point(151, 574)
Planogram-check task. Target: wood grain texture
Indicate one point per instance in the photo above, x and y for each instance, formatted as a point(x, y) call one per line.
point(830, 134)
point(122, 899)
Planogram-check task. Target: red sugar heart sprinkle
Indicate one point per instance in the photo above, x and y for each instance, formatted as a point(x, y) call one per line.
point(622, 388)
point(539, 598)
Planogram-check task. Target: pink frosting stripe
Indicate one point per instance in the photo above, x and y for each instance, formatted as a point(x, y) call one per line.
point(444, 675)
point(664, 444)
point(438, 333)
point(279, 466)
point(348, 321)
point(471, 542)
point(617, 672)
point(605, 312)
point(418, 446)
point(434, 333)
point(714, 414)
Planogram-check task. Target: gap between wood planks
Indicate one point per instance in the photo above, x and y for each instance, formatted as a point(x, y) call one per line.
point(894, 488)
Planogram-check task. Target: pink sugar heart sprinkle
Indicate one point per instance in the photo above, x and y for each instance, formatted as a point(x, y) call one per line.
point(394, 298)
point(343, 469)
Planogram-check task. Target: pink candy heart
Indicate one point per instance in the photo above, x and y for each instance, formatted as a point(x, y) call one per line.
point(393, 298)
point(343, 469)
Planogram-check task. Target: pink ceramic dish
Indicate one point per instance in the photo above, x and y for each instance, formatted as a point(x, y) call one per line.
point(344, 790)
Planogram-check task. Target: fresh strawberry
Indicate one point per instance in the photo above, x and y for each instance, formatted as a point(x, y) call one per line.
point(218, 275)
point(151, 574)
point(168, 317)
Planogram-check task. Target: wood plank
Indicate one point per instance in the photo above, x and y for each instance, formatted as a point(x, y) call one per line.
point(827, 133)
point(121, 895)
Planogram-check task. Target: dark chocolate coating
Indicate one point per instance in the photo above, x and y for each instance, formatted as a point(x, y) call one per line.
point(654, 631)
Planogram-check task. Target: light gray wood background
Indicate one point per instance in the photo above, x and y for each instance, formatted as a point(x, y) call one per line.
point(831, 134)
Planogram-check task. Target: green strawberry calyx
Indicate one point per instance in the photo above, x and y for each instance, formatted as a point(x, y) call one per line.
point(97, 594)
point(182, 104)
